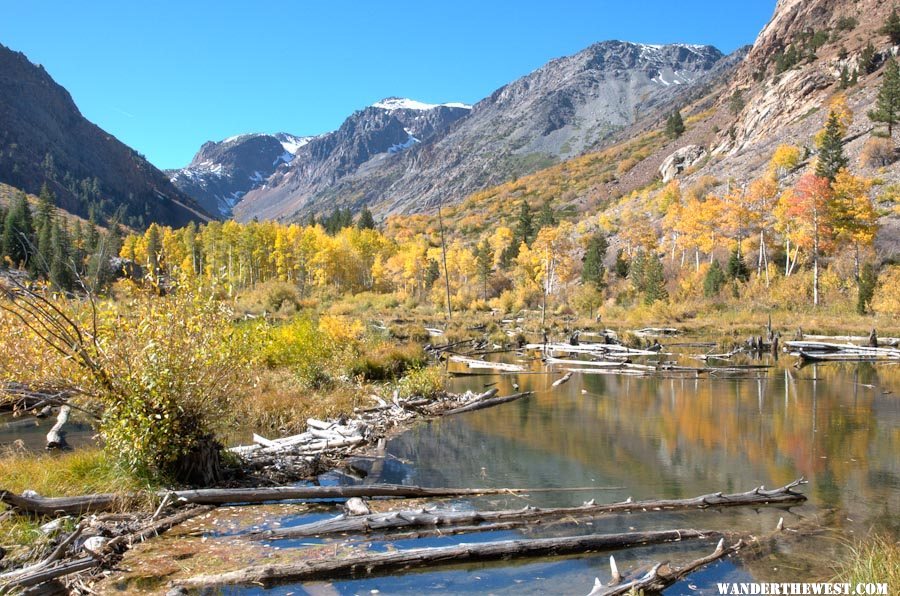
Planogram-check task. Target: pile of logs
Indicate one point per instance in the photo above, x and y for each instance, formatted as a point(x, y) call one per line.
point(339, 438)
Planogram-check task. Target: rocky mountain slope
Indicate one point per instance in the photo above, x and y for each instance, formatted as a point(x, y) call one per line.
point(44, 138)
point(566, 107)
point(221, 173)
point(368, 141)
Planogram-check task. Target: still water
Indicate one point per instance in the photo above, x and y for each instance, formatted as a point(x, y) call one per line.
point(838, 425)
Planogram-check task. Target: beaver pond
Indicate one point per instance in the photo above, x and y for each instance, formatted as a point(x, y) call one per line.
point(640, 436)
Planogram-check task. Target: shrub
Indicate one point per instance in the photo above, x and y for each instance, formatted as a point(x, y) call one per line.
point(877, 152)
point(387, 360)
point(886, 299)
point(161, 371)
point(425, 382)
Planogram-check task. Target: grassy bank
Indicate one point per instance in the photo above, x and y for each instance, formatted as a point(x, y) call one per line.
point(876, 560)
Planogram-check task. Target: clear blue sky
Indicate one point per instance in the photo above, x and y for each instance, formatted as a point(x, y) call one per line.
point(165, 76)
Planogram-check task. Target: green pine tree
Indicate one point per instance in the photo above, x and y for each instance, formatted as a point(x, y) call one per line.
point(831, 157)
point(60, 273)
point(887, 104)
point(18, 232)
point(546, 218)
point(892, 27)
point(621, 265)
point(484, 263)
point(674, 125)
point(365, 220)
point(154, 248)
point(867, 59)
point(654, 280)
point(592, 270)
point(524, 226)
point(714, 280)
point(867, 281)
point(736, 269)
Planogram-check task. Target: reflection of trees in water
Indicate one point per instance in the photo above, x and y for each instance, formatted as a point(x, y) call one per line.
point(674, 437)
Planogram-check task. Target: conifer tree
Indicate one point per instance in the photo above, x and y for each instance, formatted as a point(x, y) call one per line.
point(484, 261)
point(714, 280)
point(887, 104)
point(736, 269)
point(892, 27)
point(867, 58)
point(60, 273)
point(592, 270)
point(365, 220)
point(867, 282)
point(831, 157)
point(546, 218)
point(674, 125)
point(654, 280)
point(524, 225)
point(18, 232)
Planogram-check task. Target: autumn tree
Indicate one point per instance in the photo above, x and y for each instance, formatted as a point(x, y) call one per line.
point(887, 104)
point(852, 213)
point(785, 159)
point(809, 204)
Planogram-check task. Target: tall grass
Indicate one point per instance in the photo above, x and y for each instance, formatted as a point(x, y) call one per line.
point(876, 560)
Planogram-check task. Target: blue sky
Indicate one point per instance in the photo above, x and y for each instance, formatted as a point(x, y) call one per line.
point(165, 76)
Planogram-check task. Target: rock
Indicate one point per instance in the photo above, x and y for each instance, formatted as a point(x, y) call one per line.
point(356, 506)
point(680, 160)
point(94, 545)
point(52, 527)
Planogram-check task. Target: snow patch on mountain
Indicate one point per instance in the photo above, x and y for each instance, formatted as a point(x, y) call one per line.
point(402, 103)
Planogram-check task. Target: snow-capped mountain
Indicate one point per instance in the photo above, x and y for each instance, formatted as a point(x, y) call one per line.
point(366, 141)
point(402, 155)
point(221, 173)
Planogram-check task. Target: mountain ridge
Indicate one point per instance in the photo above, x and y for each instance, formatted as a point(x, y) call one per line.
point(44, 139)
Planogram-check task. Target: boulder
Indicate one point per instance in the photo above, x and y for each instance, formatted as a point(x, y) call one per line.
point(681, 160)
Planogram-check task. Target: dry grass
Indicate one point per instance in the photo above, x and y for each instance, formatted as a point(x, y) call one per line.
point(80, 472)
point(874, 561)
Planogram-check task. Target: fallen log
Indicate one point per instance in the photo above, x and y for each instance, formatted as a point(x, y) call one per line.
point(379, 563)
point(222, 496)
point(563, 379)
point(473, 363)
point(62, 505)
point(381, 522)
point(488, 403)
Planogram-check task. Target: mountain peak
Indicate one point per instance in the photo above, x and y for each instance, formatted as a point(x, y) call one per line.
point(403, 103)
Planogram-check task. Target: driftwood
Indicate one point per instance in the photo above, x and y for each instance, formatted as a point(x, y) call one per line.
point(660, 575)
point(45, 571)
point(488, 403)
point(56, 438)
point(473, 363)
point(425, 518)
point(222, 496)
point(379, 563)
point(562, 380)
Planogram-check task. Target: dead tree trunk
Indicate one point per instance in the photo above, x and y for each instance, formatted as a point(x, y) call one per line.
point(56, 438)
point(222, 496)
point(424, 518)
point(488, 403)
point(379, 563)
